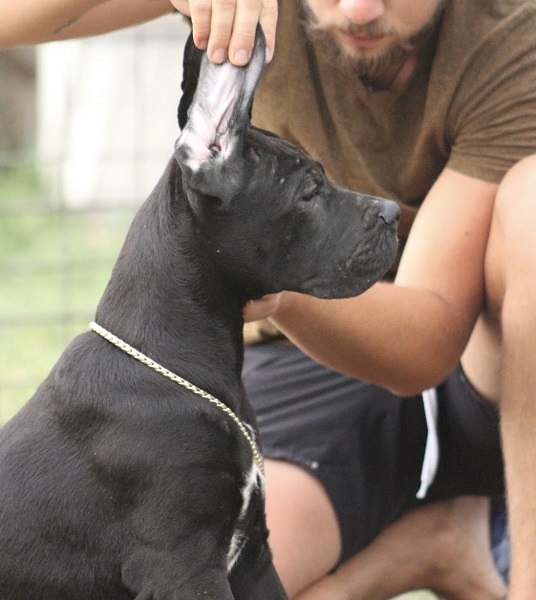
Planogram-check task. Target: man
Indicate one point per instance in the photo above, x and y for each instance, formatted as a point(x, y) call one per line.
point(440, 107)
point(465, 284)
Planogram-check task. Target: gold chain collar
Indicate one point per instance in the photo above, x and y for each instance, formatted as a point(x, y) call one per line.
point(110, 337)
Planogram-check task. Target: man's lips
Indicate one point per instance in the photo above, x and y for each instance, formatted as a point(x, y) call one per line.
point(362, 41)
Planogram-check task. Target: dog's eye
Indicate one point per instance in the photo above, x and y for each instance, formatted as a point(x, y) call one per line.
point(308, 197)
point(310, 190)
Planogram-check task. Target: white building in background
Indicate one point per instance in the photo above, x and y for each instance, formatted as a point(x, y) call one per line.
point(106, 109)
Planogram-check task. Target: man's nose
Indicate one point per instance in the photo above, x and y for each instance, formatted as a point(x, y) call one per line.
point(362, 12)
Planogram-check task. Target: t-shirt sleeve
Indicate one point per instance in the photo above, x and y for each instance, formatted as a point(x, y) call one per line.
point(492, 118)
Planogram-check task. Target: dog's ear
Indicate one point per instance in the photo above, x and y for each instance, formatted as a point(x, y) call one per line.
point(210, 147)
point(191, 64)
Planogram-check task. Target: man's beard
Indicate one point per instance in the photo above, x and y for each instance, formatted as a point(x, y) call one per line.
point(365, 63)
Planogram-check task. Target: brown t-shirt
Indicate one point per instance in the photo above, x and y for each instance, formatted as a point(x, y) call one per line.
point(470, 104)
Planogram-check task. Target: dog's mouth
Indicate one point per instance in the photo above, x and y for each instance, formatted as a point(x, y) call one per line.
point(374, 259)
point(346, 285)
point(329, 290)
point(365, 266)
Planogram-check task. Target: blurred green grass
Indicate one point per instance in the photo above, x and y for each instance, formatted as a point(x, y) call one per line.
point(54, 265)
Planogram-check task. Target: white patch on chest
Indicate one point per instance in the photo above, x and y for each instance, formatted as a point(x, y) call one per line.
point(254, 479)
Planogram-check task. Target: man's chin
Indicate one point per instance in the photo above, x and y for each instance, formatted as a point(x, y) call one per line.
point(365, 60)
point(345, 52)
point(362, 58)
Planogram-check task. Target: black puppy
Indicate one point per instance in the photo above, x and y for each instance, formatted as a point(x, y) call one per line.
point(119, 480)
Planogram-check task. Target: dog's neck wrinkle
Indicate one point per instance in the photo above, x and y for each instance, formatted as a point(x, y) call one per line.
point(165, 303)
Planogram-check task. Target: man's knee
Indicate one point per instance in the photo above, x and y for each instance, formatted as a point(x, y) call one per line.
point(511, 258)
point(515, 207)
point(510, 255)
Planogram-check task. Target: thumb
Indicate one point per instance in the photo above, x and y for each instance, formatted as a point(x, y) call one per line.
point(256, 310)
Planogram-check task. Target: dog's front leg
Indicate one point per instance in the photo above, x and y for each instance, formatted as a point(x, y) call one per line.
point(254, 575)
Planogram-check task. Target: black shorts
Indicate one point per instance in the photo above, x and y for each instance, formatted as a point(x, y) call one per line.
point(366, 445)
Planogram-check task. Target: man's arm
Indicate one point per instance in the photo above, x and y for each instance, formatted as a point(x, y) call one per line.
point(226, 28)
point(407, 336)
point(25, 22)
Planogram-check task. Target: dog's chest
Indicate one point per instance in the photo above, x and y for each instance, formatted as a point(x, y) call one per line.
point(254, 481)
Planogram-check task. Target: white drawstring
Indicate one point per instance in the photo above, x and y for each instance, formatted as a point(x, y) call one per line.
point(431, 450)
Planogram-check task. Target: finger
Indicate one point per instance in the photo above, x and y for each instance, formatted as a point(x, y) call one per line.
point(268, 21)
point(201, 15)
point(255, 310)
point(243, 36)
point(248, 14)
point(223, 16)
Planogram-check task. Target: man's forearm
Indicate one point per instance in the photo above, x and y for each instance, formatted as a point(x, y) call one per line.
point(23, 22)
point(404, 339)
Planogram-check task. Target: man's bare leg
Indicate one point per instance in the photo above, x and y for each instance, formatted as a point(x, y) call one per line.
point(444, 546)
point(511, 285)
point(304, 533)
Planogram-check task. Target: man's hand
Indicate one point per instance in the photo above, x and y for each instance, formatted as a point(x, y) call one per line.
point(226, 28)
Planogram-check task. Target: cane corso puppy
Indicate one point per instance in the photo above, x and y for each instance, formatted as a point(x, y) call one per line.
point(119, 479)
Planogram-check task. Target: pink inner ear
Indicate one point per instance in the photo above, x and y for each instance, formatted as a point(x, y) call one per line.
point(219, 110)
point(206, 133)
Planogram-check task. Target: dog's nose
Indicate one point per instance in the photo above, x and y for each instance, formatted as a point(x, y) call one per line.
point(390, 212)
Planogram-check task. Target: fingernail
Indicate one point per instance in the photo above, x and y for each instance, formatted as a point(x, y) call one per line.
point(269, 54)
point(241, 57)
point(219, 55)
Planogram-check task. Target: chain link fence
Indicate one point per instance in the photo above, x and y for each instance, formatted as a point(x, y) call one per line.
point(86, 129)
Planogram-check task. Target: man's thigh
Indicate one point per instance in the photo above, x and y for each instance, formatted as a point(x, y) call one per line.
point(304, 531)
point(470, 462)
point(362, 444)
point(511, 296)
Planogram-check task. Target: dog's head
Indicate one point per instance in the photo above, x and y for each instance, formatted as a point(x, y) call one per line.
point(275, 222)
